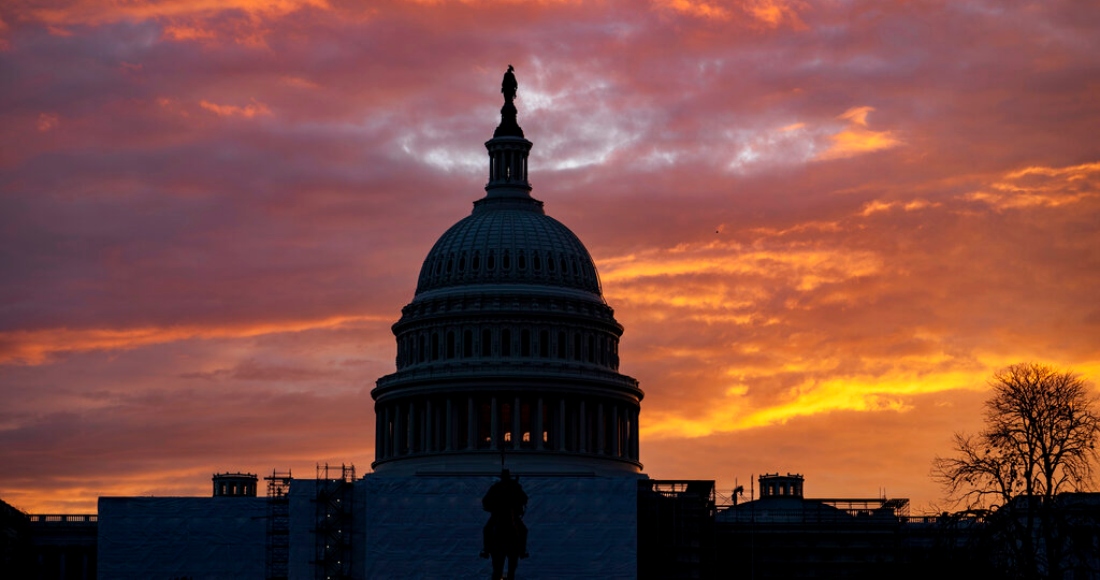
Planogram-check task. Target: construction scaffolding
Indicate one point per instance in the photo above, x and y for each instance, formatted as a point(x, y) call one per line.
point(334, 501)
point(675, 528)
point(278, 525)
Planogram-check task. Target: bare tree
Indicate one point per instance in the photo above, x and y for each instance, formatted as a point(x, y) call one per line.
point(1039, 440)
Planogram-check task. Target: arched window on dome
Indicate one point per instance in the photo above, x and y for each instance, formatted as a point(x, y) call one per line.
point(544, 344)
point(435, 346)
point(486, 342)
point(577, 346)
point(491, 261)
point(420, 350)
point(505, 342)
point(536, 262)
point(525, 342)
point(522, 260)
point(589, 348)
point(462, 263)
point(450, 344)
point(475, 262)
point(467, 343)
point(506, 261)
point(561, 344)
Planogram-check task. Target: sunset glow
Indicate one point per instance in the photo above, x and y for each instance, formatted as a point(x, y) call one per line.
point(823, 225)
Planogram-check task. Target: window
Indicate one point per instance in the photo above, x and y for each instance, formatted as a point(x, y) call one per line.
point(486, 342)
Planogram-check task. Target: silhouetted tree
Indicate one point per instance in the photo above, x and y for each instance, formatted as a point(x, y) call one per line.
point(1040, 440)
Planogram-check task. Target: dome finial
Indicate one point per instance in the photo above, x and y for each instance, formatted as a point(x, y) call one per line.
point(509, 85)
point(509, 127)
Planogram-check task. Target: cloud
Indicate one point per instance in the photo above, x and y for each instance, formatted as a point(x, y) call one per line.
point(248, 111)
point(857, 139)
point(762, 13)
point(1042, 187)
point(35, 347)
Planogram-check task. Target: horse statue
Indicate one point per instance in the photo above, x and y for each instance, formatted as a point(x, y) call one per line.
point(505, 535)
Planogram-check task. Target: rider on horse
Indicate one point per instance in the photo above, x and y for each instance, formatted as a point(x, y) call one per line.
point(505, 501)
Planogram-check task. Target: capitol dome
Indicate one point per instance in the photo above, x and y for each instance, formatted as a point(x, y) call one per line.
point(518, 244)
point(508, 350)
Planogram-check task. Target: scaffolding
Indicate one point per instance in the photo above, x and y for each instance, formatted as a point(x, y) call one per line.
point(333, 502)
point(675, 528)
point(278, 525)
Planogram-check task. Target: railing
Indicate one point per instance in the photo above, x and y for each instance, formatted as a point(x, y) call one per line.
point(63, 518)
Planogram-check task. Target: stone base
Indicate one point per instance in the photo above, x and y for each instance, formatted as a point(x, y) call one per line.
point(430, 526)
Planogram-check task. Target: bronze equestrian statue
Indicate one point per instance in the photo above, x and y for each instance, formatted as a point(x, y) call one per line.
point(504, 535)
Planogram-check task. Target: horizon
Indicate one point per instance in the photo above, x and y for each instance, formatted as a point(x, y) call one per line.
point(823, 226)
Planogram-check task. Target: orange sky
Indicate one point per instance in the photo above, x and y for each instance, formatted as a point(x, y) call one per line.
point(823, 224)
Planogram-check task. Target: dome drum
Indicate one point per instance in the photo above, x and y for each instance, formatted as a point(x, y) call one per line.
point(536, 342)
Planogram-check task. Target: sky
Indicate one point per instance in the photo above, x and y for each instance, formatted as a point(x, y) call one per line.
point(823, 224)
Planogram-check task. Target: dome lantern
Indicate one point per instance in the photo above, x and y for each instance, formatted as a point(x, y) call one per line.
point(508, 149)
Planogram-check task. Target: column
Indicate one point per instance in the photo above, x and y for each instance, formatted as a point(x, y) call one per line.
point(634, 435)
point(494, 425)
point(399, 431)
point(471, 424)
point(449, 437)
point(517, 434)
point(560, 444)
point(601, 430)
point(429, 420)
point(411, 445)
point(582, 431)
point(379, 421)
point(538, 425)
point(616, 432)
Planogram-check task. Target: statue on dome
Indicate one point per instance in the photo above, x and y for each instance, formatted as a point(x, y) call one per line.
point(509, 85)
point(505, 535)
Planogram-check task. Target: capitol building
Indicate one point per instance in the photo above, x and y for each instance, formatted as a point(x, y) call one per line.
point(507, 357)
